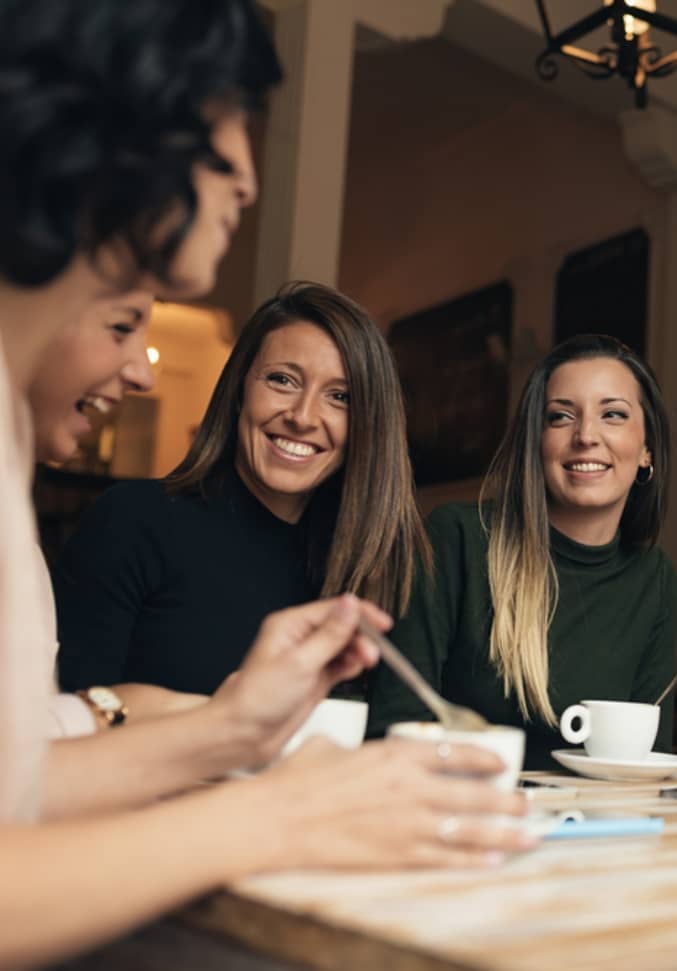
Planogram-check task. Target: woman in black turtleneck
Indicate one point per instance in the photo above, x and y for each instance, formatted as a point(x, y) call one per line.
point(298, 484)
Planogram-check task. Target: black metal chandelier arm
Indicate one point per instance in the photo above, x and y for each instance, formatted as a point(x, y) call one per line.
point(547, 67)
point(599, 72)
point(605, 56)
point(596, 66)
point(631, 55)
point(662, 66)
point(653, 19)
point(545, 23)
point(582, 27)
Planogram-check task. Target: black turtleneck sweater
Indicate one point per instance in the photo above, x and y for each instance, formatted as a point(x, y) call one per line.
point(612, 636)
point(171, 590)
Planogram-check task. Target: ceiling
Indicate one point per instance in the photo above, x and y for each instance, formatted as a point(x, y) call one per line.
point(508, 33)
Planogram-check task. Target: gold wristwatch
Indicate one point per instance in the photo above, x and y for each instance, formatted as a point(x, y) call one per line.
point(105, 704)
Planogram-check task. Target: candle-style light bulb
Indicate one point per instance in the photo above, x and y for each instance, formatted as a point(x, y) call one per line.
point(634, 26)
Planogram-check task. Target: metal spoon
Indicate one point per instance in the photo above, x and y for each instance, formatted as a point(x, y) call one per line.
point(454, 717)
point(666, 692)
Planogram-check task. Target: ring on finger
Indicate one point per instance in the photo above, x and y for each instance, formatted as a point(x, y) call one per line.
point(448, 828)
point(444, 750)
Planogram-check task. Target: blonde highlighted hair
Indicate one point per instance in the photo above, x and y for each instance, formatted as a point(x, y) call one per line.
point(522, 576)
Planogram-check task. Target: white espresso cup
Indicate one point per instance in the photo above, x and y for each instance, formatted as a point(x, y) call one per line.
point(618, 730)
point(344, 722)
point(507, 742)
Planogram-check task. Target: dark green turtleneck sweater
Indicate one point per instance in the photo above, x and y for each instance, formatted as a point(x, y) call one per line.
point(612, 636)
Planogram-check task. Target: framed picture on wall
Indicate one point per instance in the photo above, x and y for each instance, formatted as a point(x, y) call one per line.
point(453, 364)
point(603, 289)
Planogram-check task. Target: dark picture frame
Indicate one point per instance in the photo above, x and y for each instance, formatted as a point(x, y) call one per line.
point(604, 289)
point(453, 361)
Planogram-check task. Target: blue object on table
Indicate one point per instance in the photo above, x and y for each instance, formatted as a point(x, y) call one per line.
point(608, 826)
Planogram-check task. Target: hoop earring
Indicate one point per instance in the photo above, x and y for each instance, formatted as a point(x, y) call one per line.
point(647, 478)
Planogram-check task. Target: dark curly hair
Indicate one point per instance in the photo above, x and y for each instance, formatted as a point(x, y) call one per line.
point(102, 118)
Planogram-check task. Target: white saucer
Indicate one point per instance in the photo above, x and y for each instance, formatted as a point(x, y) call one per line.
point(657, 765)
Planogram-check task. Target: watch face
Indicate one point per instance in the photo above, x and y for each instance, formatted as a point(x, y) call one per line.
point(105, 699)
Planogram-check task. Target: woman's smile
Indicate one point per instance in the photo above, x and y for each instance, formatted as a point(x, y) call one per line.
point(586, 471)
point(106, 354)
point(586, 467)
point(293, 449)
point(293, 423)
point(593, 444)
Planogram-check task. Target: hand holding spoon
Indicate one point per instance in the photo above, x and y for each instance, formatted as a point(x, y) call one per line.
point(453, 717)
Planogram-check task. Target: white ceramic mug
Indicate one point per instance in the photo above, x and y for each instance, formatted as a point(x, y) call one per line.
point(618, 730)
point(344, 722)
point(507, 742)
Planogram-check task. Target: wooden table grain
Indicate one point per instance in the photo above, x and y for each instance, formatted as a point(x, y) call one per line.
point(574, 905)
point(584, 904)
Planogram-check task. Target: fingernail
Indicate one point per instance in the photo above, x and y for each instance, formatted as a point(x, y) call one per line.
point(528, 840)
point(448, 828)
point(344, 606)
point(373, 653)
point(494, 858)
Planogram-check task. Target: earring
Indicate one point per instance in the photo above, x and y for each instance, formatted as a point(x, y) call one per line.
point(644, 480)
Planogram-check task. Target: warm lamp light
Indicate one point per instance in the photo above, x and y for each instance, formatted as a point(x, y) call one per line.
point(635, 25)
point(629, 54)
point(153, 354)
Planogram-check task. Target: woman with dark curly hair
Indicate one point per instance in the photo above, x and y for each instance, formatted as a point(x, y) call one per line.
point(166, 582)
point(124, 162)
point(552, 589)
point(123, 140)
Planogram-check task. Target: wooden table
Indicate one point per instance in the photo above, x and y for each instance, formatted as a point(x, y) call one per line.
point(576, 904)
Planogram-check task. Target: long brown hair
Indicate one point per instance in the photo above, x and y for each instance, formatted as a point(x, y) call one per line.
point(522, 575)
point(365, 531)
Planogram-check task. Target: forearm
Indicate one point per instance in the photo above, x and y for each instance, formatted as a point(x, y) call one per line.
point(130, 765)
point(72, 717)
point(244, 724)
point(152, 701)
point(92, 880)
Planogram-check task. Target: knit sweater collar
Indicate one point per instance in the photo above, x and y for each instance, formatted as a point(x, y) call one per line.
point(246, 504)
point(569, 549)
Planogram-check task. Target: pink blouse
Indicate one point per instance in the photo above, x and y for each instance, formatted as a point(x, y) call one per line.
point(26, 634)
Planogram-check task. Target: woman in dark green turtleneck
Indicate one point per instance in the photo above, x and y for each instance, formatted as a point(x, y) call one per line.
point(554, 591)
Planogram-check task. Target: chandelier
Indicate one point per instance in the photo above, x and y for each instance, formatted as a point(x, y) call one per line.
point(630, 52)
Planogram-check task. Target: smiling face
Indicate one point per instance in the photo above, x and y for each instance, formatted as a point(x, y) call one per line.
point(592, 445)
point(103, 355)
point(221, 196)
point(90, 365)
point(293, 423)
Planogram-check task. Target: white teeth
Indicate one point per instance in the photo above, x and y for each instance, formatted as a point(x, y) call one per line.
point(294, 448)
point(101, 404)
point(586, 466)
